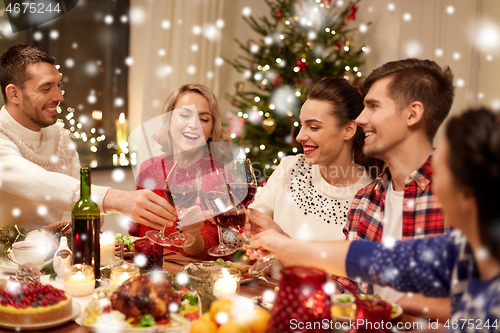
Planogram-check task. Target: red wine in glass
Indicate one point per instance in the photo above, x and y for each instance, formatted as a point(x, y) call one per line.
point(182, 196)
point(217, 201)
point(243, 192)
point(233, 219)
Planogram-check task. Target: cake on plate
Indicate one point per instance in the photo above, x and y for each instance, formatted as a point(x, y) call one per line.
point(32, 303)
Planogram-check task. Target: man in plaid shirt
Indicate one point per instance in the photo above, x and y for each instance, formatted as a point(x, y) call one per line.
point(405, 103)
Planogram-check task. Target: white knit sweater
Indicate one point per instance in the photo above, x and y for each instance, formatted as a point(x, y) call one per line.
point(303, 204)
point(39, 174)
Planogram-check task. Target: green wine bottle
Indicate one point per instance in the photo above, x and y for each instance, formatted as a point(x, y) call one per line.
point(86, 223)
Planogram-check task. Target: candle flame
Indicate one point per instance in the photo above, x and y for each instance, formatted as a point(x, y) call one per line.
point(121, 118)
point(124, 276)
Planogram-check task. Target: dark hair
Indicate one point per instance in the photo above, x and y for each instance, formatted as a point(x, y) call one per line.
point(15, 60)
point(474, 161)
point(417, 80)
point(346, 105)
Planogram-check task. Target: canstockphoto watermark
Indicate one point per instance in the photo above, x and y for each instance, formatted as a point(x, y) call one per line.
point(25, 14)
point(351, 325)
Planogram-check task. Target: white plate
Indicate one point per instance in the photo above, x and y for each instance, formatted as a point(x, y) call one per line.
point(398, 313)
point(55, 323)
point(9, 267)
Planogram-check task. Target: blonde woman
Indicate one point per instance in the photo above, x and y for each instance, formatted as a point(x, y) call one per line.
point(192, 123)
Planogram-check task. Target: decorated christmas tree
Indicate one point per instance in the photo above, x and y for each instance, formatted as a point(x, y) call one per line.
point(303, 42)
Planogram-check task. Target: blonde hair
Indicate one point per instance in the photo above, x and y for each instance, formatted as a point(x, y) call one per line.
point(218, 133)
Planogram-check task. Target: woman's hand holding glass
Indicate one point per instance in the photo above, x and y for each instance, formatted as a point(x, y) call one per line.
point(258, 222)
point(266, 243)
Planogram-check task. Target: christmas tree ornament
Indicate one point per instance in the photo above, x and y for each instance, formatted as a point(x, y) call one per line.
point(269, 125)
point(352, 13)
point(239, 86)
point(277, 80)
point(235, 125)
point(301, 65)
point(278, 15)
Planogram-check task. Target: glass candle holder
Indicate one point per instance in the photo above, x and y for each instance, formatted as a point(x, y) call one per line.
point(226, 283)
point(79, 280)
point(301, 298)
point(107, 242)
point(122, 273)
point(148, 255)
point(375, 312)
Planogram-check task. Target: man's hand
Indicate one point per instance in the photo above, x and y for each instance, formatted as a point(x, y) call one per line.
point(257, 222)
point(142, 206)
point(265, 242)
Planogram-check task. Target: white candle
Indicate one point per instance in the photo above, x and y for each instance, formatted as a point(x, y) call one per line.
point(79, 280)
point(107, 249)
point(226, 285)
point(120, 274)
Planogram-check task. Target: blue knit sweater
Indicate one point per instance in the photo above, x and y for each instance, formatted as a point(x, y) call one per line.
point(439, 266)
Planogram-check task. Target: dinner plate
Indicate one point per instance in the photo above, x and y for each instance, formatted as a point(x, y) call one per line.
point(9, 267)
point(398, 313)
point(202, 265)
point(55, 323)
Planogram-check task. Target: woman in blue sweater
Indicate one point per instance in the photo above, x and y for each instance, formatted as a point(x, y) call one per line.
point(463, 264)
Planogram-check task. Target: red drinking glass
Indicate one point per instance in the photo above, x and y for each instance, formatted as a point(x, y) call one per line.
point(374, 313)
point(301, 299)
point(152, 252)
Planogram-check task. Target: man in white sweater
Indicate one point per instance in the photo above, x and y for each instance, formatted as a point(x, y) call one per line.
point(39, 166)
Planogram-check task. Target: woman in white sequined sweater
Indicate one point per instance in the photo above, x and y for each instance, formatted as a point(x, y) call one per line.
point(309, 195)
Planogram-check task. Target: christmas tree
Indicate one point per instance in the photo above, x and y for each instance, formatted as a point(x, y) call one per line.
point(302, 43)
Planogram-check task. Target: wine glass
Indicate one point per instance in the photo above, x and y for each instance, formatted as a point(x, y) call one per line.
point(211, 201)
point(243, 185)
point(232, 216)
point(182, 187)
point(242, 181)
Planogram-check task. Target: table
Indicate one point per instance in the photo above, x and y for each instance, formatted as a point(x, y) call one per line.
point(251, 289)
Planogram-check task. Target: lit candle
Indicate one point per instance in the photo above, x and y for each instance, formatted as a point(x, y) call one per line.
point(226, 284)
point(121, 125)
point(79, 280)
point(107, 249)
point(120, 274)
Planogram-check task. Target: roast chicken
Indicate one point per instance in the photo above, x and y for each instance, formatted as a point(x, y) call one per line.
point(144, 295)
